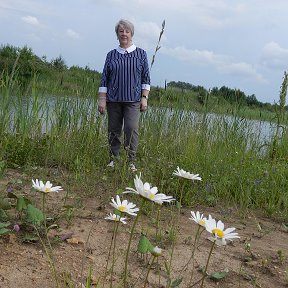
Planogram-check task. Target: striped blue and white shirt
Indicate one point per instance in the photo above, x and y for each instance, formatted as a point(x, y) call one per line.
point(125, 74)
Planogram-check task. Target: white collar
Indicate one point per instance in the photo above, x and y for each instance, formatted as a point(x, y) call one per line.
point(123, 50)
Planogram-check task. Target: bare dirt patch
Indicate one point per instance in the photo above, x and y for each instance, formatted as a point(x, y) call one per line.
point(258, 259)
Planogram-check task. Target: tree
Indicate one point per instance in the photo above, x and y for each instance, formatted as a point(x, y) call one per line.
point(59, 63)
point(252, 100)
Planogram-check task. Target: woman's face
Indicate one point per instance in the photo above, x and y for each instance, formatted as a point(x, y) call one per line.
point(124, 37)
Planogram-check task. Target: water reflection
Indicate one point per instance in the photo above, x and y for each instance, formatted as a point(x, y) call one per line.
point(69, 113)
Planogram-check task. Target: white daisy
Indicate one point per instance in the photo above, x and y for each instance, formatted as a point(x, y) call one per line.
point(148, 192)
point(45, 188)
point(124, 206)
point(198, 218)
point(182, 173)
point(220, 235)
point(116, 218)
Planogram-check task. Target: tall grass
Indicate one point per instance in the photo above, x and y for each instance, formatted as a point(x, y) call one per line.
point(191, 100)
point(228, 153)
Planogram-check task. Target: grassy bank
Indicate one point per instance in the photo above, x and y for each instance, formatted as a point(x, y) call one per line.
point(237, 168)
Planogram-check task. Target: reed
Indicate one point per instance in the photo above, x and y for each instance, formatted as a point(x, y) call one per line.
point(230, 154)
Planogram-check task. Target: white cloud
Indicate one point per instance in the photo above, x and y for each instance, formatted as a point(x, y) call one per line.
point(211, 14)
point(31, 20)
point(274, 56)
point(72, 34)
point(201, 57)
point(222, 63)
point(244, 70)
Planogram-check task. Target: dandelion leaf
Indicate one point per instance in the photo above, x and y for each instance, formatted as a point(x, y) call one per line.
point(34, 215)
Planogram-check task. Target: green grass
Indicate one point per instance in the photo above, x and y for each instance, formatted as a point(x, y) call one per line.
point(189, 100)
point(237, 169)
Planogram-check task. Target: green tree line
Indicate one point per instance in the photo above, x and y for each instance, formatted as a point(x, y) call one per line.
point(232, 96)
point(22, 65)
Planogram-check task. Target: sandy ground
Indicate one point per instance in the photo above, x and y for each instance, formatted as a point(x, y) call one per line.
point(258, 259)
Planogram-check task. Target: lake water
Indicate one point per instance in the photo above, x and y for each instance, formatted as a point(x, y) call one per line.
point(49, 110)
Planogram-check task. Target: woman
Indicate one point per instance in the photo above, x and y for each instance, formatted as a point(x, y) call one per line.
point(124, 88)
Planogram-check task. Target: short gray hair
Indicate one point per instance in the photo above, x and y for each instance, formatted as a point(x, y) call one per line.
point(125, 24)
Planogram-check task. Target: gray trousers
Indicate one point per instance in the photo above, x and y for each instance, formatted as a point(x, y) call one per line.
point(123, 115)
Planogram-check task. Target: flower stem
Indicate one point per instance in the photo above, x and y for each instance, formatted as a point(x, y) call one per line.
point(206, 267)
point(193, 252)
point(149, 268)
point(173, 239)
point(43, 210)
point(50, 259)
point(109, 253)
point(158, 234)
point(128, 250)
point(49, 250)
point(116, 225)
point(181, 195)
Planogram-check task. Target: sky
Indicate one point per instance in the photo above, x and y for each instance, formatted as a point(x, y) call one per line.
point(240, 44)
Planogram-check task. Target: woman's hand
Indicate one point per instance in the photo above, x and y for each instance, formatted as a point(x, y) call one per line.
point(102, 103)
point(143, 104)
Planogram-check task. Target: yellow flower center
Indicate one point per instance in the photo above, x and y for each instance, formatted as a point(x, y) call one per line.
point(122, 208)
point(46, 190)
point(218, 232)
point(152, 196)
point(201, 222)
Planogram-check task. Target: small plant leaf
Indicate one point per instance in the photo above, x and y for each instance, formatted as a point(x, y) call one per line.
point(89, 278)
point(4, 204)
point(21, 203)
point(4, 225)
point(34, 215)
point(178, 205)
point(176, 282)
point(217, 276)
point(30, 238)
point(4, 231)
point(144, 245)
point(167, 268)
point(3, 215)
point(117, 212)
